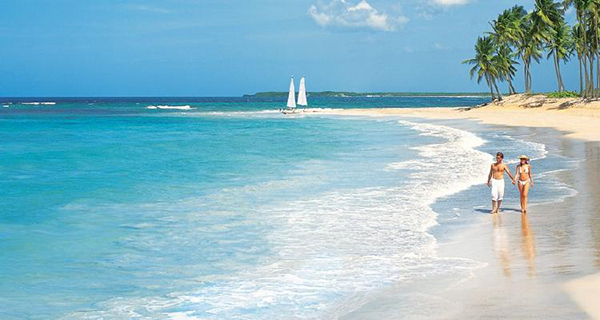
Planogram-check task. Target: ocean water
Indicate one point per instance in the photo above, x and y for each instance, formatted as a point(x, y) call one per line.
point(222, 208)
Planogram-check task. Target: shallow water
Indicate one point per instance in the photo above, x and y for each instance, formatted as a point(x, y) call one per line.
point(114, 210)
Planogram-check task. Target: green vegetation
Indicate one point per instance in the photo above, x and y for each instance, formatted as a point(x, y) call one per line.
point(371, 94)
point(517, 34)
point(563, 94)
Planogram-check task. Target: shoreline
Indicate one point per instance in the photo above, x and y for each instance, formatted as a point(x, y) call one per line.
point(577, 118)
point(525, 274)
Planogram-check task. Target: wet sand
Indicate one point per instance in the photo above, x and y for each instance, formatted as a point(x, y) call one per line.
point(545, 265)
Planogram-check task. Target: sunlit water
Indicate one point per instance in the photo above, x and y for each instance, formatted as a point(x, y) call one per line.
point(224, 208)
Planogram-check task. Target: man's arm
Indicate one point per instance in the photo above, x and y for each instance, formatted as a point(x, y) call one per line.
point(490, 175)
point(509, 174)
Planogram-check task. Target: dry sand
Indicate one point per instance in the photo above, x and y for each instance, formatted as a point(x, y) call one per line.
point(576, 117)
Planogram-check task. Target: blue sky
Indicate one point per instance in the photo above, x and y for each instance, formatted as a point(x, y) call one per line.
point(230, 47)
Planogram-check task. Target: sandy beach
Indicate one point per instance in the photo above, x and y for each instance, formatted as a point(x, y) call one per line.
point(578, 118)
point(541, 266)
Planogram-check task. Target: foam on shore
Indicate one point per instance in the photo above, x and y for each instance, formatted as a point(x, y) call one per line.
point(328, 251)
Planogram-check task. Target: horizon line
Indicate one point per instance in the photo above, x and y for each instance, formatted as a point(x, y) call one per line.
point(247, 94)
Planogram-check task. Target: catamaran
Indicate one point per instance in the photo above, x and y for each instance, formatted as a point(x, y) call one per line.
point(302, 93)
point(291, 102)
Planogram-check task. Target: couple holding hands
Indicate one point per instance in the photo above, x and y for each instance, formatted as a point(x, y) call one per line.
point(523, 179)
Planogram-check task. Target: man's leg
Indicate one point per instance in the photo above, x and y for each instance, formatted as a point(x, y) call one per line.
point(500, 194)
point(494, 197)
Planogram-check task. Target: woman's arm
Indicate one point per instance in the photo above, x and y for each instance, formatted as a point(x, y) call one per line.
point(530, 176)
point(518, 172)
point(507, 169)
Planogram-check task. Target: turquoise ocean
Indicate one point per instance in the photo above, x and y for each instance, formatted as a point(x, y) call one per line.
point(223, 208)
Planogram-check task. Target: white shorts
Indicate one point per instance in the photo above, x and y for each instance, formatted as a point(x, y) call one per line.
point(497, 189)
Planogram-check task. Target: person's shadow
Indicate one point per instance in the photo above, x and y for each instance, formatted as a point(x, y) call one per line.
point(489, 211)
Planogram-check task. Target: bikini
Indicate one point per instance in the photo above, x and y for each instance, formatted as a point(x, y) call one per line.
point(526, 170)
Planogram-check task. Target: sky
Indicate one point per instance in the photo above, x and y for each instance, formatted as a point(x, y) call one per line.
point(229, 47)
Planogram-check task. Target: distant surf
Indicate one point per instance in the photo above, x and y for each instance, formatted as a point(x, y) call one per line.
point(186, 107)
point(39, 103)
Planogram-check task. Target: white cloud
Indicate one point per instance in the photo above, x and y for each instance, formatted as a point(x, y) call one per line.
point(448, 3)
point(428, 9)
point(440, 47)
point(344, 13)
point(147, 8)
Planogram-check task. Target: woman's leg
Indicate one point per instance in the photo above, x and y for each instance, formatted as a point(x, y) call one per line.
point(525, 195)
point(520, 186)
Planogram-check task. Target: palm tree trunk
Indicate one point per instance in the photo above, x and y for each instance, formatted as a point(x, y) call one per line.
point(595, 53)
point(582, 22)
point(487, 79)
point(592, 81)
point(586, 93)
point(511, 88)
point(526, 71)
point(597, 72)
point(580, 75)
point(557, 70)
point(497, 90)
point(528, 75)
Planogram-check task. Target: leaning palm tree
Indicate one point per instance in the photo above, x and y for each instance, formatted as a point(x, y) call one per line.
point(484, 64)
point(560, 47)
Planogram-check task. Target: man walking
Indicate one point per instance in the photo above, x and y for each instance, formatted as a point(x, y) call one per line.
point(496, 181)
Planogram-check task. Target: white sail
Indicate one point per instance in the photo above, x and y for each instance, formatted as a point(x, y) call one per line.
point(302, 93)
point(291, 103)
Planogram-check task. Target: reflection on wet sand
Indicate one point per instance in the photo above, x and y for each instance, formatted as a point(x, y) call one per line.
point(501, 244)
point(528, 245)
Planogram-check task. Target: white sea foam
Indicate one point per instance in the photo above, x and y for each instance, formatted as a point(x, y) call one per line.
point(186, 107)
point(39, 103)
point(258, 113)
point(330, 250)
point(5, 106)
point(322, 109)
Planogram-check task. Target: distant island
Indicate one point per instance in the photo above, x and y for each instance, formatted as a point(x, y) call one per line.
point(272, 94)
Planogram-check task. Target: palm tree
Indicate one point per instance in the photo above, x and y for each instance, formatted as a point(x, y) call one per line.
point(528, 48)
point(507, 28)
point(560, 47)
point(484, 64)
point(579, 44)
point(505, 64)
point(594, 18)
point(545, 19)
point(582, 7)
point(547, 13)
point(506, 33)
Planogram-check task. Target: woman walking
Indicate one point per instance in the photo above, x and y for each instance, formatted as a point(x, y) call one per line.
point(525, 181)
